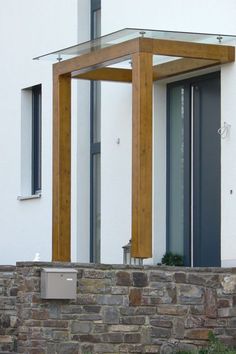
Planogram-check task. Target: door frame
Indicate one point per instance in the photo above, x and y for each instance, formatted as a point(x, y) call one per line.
point(188, 218)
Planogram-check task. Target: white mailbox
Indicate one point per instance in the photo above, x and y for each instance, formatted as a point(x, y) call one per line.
point(58, 283)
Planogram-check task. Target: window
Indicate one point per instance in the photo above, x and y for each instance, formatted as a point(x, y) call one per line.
point(31, 123)
point(36, 139)
point(95, 146)
point(95, 18)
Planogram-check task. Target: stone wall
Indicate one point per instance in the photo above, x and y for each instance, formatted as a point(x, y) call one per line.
point(8, 316)
point(121, 309)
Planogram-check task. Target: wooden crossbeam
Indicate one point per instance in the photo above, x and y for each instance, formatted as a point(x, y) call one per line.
point(121, 51)
point(180, 66)
point(142, 85)
point(106, 74)
point(61, 168)
point(160, 71)
point(223, 54)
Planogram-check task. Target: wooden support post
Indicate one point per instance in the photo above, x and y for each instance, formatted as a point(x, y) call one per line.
point(142, 84)
point(61, 168)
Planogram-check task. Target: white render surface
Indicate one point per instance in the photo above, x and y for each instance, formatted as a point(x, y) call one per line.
point(27, 29)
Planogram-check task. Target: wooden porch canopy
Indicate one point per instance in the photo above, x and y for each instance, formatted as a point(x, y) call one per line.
point(90, 61)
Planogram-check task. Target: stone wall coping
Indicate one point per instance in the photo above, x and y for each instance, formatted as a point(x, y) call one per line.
point(124, 266)
point(7, 268)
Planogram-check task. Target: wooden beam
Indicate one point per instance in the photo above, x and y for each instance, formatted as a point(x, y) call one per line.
point(122, 51)
point(61, 204)
point(221, 53)
point(99, 58)
point(118, 52)
point(180, 66)
point(142, 155)
point(160, 71)
point(106, 74)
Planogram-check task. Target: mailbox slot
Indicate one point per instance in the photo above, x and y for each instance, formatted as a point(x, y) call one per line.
point(58, 283)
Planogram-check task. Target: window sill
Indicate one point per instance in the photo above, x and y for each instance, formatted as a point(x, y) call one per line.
point(29, 197)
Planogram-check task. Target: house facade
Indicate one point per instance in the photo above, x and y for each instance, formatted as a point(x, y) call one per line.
point(193, 176)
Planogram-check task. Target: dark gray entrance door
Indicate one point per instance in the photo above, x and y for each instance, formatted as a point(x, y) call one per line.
point(193, 170)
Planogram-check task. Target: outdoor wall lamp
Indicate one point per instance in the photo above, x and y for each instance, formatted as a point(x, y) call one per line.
point(127, 259)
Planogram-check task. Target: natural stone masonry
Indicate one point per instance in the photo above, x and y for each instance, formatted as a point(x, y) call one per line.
point(120, 309)
point(8, 316)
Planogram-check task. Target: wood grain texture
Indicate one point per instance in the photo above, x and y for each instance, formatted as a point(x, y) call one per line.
point(61, 207)
point(142, 155)
point(160, 71)
point(105, 74)
point(180, 66)
point(221, 53)
point(110, 55)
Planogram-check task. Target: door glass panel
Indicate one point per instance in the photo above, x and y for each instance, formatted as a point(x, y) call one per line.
point(96, 111)
point(176, 171)
point(206, 172)
point(95, 186)
point(96, 207)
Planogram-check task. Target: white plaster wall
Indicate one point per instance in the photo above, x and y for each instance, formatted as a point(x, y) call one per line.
point(115, 171)
point(27, 29)
point(182, 15)
point(228, 166)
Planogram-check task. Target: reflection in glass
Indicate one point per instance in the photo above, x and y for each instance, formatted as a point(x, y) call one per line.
point(96, 207)
point(96, 24)
point(95, 163)
point(126, 34)
point(176, 170)
point(96, 86)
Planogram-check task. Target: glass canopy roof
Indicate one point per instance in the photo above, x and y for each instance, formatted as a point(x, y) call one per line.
point(131, 33)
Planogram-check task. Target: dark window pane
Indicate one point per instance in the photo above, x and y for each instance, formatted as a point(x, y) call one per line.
point(96, 24)
point(96, 207)
point(95, 109)
point(36, 139)
point(96, 112)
